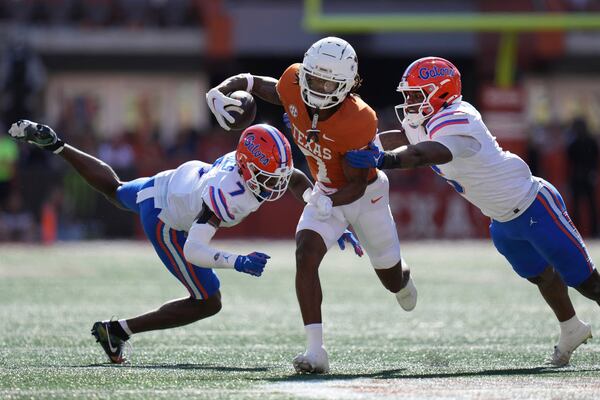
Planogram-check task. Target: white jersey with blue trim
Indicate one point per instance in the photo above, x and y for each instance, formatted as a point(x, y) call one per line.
point(181, 193)
point(498, 182)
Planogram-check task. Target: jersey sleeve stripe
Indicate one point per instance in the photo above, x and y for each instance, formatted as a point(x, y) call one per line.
point(432, 120)
point(222, 198)
point(214, 203)
point(280, 145)
point(462, 121)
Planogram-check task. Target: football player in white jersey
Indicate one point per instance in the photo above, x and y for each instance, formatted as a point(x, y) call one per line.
point(180, 210)
point(530, 225)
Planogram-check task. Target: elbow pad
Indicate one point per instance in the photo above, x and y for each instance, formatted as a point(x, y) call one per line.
point(197, 250)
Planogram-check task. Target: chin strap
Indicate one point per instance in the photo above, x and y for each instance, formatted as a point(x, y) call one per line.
point(312, 135)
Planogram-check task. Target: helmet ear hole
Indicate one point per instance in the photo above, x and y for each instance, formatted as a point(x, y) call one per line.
point(444, 95)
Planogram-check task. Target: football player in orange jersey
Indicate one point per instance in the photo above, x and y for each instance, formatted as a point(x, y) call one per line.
point(327, 120)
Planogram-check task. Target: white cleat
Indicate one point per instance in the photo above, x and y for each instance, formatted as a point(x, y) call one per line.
point(407, 296)
point(312, 363)
point(568, 343)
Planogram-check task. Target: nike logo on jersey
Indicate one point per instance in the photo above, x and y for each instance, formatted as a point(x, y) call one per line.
point(373, 201)
point(328, 138)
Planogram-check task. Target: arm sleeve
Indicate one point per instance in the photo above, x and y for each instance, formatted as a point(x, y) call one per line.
point(198, 251)
point(460, 146)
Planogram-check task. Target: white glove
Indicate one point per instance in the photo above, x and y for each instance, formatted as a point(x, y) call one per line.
point(217, 102)
point(323, 203)
point(324, 207)
point(312, 363)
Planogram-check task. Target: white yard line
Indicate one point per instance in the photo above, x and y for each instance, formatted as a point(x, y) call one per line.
point(497, 388)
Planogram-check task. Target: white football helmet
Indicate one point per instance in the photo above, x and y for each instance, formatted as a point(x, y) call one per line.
point(328, 72)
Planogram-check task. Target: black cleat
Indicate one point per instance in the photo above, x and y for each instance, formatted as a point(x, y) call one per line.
point(114, 347)
point(32, 132)
point(41, 135)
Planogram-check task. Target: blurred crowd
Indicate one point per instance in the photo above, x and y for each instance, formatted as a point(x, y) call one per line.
point(41, 199)
point(103, 13)
point(37, 187)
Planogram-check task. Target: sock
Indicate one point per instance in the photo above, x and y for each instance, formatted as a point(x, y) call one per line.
point(404, 268)
point(123, 323)
point(117, 330)
point(570, 325)
point(314, 337)
point(56, 147)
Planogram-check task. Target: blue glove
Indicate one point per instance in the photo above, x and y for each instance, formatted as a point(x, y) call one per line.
point(253, 263)
point(369, 158)
point(286, 121)
point(349, 237)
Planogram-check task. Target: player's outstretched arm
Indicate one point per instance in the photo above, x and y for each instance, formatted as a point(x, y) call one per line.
point(198, 251)
point(218, 98)
point(412, 156)
point(97, 173)
point(393, 139)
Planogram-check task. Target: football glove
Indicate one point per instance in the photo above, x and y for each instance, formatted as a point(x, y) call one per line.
point(322, 202)
point(349, 237)
point(41, 135)
point(253, 264)
point(369, 158)
point(286, 121)
point(217, 102)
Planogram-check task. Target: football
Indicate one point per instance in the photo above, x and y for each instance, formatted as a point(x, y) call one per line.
point(243, 114)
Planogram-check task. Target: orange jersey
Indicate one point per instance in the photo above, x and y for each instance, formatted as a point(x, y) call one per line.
point(351, 127)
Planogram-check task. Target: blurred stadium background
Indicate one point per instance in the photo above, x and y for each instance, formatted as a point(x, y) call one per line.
point(125, 80)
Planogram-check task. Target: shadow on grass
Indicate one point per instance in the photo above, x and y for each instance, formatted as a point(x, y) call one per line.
point(203, 367)
point(398, 374)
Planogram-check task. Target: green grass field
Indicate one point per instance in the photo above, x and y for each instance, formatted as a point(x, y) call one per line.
point(478, 332)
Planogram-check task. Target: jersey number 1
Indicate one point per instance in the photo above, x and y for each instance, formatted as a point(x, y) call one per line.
point(322, 171)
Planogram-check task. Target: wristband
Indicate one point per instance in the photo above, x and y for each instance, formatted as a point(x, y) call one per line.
point(250, 80)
